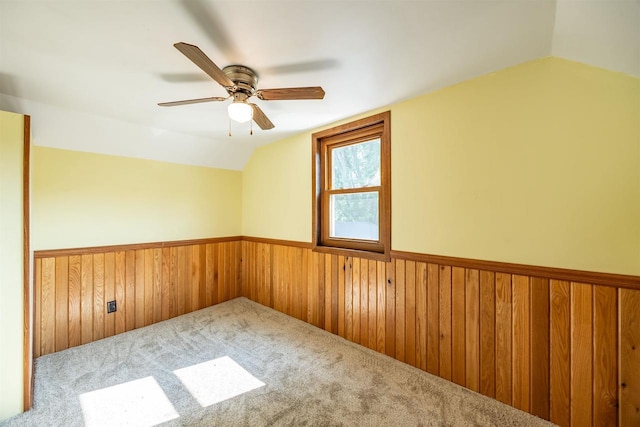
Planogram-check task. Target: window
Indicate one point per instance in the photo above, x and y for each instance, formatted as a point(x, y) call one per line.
point(352, 187)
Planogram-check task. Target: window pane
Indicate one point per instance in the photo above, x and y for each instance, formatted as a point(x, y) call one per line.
point(356, 165)
point(354, 216)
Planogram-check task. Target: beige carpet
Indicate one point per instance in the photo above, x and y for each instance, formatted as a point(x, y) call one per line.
point(239, 363)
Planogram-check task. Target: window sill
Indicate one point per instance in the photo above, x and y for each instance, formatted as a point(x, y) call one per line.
point(376, 256)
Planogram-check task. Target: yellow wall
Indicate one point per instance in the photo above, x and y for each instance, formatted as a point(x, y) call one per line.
point(536, 164)
point(82, 199)
point(11, 256)
point(276, 185)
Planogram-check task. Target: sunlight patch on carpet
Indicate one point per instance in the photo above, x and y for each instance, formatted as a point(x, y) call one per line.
point(135, 403)
point(217, 380)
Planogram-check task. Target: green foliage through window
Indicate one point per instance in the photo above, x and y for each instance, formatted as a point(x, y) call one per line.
point(356, 165)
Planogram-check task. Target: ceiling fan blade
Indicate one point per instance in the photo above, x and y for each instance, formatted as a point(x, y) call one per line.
point(191, 101)
point(314, 92)
point(260, 118)
point(301, 67)
point(207, 65)
point(211, 24)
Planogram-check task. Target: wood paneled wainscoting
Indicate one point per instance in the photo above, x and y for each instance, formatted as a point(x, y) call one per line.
point(563, 345)
point(149, 282)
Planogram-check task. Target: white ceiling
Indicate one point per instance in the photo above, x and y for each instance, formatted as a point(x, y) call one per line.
point(90, 72)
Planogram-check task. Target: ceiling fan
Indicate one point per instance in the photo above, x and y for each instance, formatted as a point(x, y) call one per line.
point(241, 83)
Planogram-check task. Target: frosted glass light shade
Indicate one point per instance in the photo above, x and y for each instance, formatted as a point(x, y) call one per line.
point(240, 112)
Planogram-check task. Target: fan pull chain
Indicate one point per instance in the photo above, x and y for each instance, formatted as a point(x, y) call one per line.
point(251, 128)
point(229, 126)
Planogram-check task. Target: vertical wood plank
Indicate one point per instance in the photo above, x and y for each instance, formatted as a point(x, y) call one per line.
point(581, 354)
point(264, 273)
point(238, 268)
point(472, 329)
point(75, 314)
point(605, 363)
point(230, 262)
point(276, 286)
point(227, 271)
point(288, 276)
point(539, 399)
point(254, 263)
point(433, 319)
point(292, 277)
point(629, 359)
point(47, 310)
point(179, 278)
point(197, 277)
point(355, 286)
point(319, 259)
point(130, 290)
point(303, 271)
point(222, 277)
point(373, 305)
point(86, 295)
point(503, 338)
point(421, 315)
point(185, 258)
point(328, 312)
point(342, 322)
point(268, 275)
point(109, 293)
point(175, 288)
point(202, 281)
point(458, 368)
point(158, 280)
point(223, 272)
point(388, 276)
point(444, 294)
point(280, 297)
point(364, 302)
point(62, 301)
point(381, 297)
point(336, 267)
point(521, 341)
point(313, 301)
point(400, 309)
point(245, 270)
point(99, 302)
point(149, 303)
point(348, 298)
point(210, 271)
point(120, 291)
point(410, 312)
point(166, 287)
point(37, 308)
point(139, 288)
point(560, 357)
point(487, 334)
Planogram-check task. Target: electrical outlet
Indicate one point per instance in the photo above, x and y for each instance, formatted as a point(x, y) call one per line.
point(111, 307)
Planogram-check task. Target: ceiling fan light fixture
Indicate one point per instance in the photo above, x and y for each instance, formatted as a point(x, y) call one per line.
point(240, 112)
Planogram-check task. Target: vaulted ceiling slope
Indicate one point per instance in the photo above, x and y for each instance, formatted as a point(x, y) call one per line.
point(90, 72)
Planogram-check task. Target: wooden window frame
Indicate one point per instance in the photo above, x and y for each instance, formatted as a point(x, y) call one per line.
point(323, 142)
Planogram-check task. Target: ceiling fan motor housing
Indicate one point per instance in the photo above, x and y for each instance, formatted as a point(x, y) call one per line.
point(245, 79)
